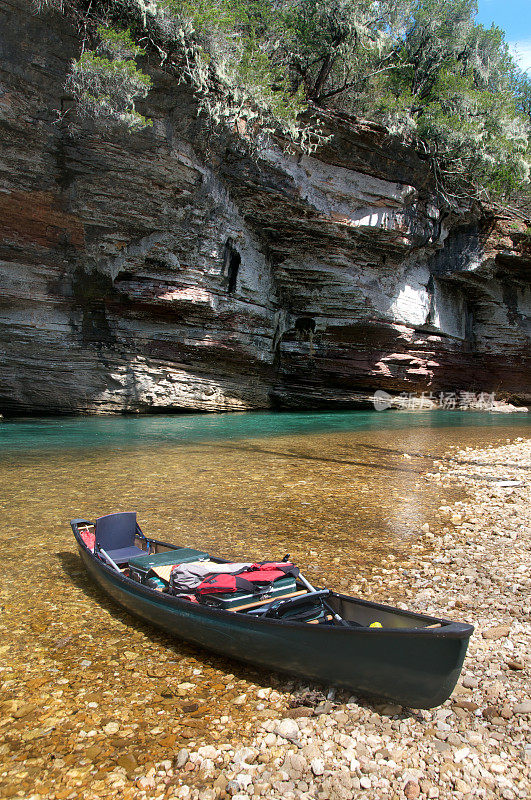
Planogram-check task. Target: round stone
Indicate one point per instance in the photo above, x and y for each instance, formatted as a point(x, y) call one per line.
point(317, 766)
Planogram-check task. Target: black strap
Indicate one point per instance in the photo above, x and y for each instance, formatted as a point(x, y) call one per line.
point(248, 586)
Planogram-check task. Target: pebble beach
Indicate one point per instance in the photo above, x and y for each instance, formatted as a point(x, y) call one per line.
point(251, 737)
point(322, 744)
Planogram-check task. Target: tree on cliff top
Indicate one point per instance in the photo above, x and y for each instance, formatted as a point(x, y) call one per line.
point(423, 68)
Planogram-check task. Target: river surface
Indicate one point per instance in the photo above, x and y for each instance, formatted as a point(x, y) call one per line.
point(89, 691)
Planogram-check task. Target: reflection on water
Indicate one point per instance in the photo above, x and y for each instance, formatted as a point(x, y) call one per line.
point(340, 499)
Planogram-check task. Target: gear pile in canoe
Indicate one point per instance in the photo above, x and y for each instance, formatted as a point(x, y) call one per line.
point(268, 613)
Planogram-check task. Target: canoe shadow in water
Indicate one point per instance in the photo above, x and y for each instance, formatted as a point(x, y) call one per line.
point(74, 571)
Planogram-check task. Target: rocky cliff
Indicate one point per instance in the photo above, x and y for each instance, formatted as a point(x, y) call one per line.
point(171, 270)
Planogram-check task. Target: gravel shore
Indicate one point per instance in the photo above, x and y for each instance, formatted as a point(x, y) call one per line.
point(323, 745)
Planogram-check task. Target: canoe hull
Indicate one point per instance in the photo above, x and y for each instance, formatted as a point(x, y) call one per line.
point(417, 668)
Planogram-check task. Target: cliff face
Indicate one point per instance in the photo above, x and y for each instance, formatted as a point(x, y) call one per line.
point(170, 270)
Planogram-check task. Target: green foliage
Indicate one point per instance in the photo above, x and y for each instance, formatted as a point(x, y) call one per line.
point(427, 71)
point(424, 68)
point(464, 99)
point(119, 44)
point(106, 86)
point(228, 59)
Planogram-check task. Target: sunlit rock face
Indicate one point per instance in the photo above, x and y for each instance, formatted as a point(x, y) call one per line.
point(169, 270)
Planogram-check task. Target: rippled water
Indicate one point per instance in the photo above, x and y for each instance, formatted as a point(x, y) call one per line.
point(334, 490)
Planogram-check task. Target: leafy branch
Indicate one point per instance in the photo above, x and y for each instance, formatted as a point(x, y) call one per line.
point(423, 68)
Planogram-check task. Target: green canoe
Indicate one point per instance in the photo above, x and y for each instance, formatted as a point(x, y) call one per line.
point(412, 659)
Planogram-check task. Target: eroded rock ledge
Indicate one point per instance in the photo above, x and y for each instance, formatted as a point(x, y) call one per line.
point(169, 270)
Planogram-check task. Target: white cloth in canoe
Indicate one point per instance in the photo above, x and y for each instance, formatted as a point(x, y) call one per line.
point(188, 575)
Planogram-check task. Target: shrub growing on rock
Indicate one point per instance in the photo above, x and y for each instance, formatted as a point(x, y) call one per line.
point(423, 68)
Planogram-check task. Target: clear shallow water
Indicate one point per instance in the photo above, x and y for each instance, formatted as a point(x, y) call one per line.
point(128, 431)
point(265, 481)
point(334, 490)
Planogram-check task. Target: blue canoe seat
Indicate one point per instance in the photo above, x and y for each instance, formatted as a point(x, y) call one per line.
point(115, 533)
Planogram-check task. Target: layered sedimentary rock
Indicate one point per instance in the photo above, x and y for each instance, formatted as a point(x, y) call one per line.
point(172, 270)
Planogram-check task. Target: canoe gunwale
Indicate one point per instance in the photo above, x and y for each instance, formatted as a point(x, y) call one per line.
point(448, 630)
